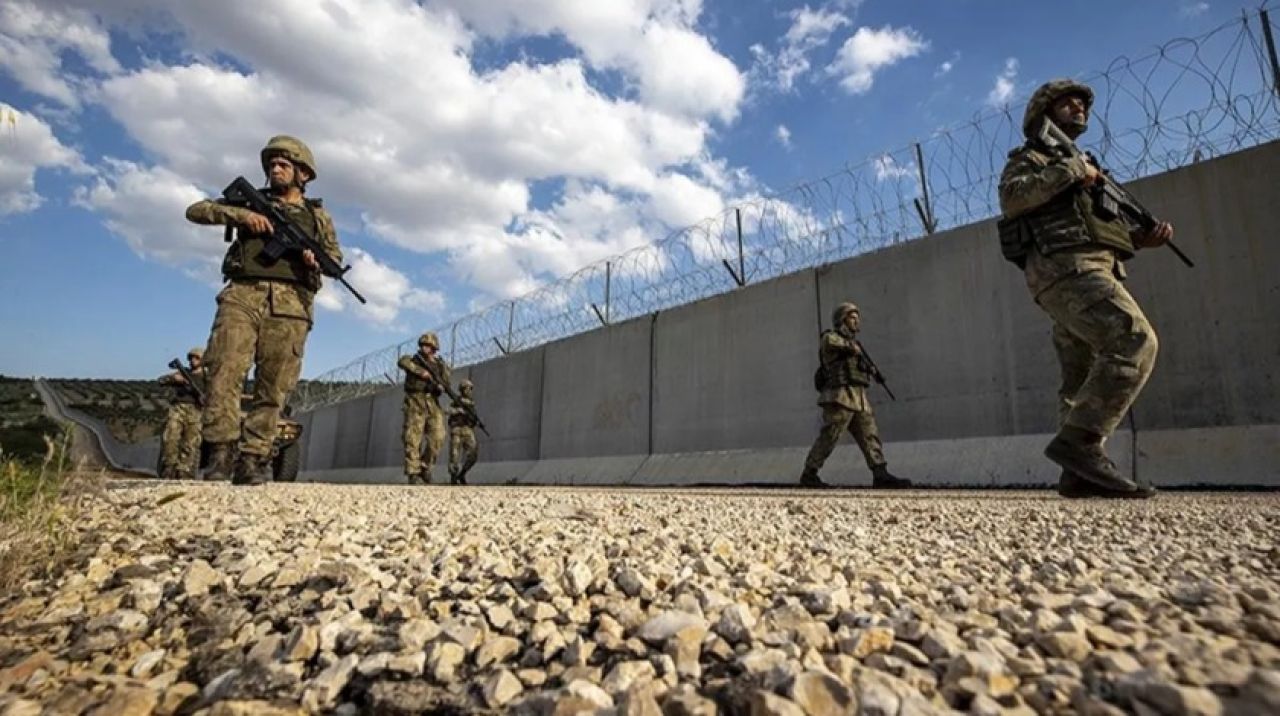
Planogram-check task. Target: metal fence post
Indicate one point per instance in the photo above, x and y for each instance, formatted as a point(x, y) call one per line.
point(511, 326)
point(926, 211)
point(739, 276)
point(603, 316)
point(1271, 50)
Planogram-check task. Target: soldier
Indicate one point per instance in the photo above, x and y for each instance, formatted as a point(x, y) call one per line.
point(845, 376)
point(264, 313)
point(463, 450)
point(1071, 249)
point(422, 413)
point(180, 442)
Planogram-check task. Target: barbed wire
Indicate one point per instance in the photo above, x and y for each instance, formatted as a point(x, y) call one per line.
point(1188, 100)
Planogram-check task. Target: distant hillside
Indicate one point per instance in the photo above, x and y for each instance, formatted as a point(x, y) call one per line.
point(133, 410)
point(23, 424)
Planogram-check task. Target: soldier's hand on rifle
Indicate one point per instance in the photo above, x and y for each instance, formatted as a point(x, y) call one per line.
point(1091, 174)
point(309, 258)
point(257, 223)
point(1159, 235)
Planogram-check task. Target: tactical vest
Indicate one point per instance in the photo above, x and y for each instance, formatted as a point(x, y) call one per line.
point(843, 370)
point(463, 419)
point(245, 260)
point(415, 384)
point(1069, 220)
point(184, 393)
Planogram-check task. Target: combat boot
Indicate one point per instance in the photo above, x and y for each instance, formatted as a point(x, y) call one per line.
point(1073, 486)
point(168, 473)
point(882, 479)
point(221, 462)
point(809, 479)
point(184, 475)
point(252, 470)
point(1081, 454)
point(411, 477)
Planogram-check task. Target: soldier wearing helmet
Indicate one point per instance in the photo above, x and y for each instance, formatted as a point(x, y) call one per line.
point(1070, 247)
point(425, 373)
point(264, 312)
point(180, 439)
point(463, 449)
point(843, 377)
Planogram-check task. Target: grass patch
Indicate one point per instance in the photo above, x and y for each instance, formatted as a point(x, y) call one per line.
point(27, 441)
point(40, 501)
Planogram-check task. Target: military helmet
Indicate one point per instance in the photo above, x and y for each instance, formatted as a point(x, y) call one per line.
point(1044, 97)
point(429, 339)
point(466, 385)
point(842, 310)
point(290, 148)
point(196, 352)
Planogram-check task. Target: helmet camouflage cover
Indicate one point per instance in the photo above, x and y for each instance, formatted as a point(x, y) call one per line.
point(196, 352)
point(842, 310)
point(1044, 97)
point(291, 148)
point(465, 385)
point(429, 339)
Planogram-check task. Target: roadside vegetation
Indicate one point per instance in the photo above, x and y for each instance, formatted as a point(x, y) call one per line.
point(41, 491)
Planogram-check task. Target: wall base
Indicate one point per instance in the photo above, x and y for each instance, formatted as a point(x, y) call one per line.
point(1233, 457)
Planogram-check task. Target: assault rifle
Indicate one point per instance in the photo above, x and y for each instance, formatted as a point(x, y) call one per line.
point(285, 236)
point(177, 365)
point(1108, 195)
point(453, 397)
point(874, 369)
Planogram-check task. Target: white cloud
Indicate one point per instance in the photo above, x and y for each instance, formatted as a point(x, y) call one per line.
point(784, 135)
point(432, 153)
point(887, 168)
point(1003, 90)
point(27, 144)
point(1190, 8)
point(140, 204)
point(33, 38)
point(810, 29)
point(387, 291)
point(945, 68)
point(871, 50)
point(654, 41)
point(678, 200)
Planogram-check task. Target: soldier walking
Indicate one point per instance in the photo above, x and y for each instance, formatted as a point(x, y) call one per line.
point(180, 441)
point(1071, 247)
point(463, 449)
point(424, 422)
point(264, 312)
point(844, 376)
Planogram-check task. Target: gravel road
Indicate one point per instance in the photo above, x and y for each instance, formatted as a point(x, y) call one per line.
point(191, 597)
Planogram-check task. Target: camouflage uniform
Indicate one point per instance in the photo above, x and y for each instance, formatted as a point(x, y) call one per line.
point(263, 318)
point(180, 441)
point(423, 417)
point(844, 377)
point(463, 449)
point(1072, 259)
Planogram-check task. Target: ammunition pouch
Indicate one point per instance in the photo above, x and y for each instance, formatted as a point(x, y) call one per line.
point(1015, 240)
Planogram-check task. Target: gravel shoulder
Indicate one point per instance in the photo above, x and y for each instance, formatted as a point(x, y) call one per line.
point(204, 598)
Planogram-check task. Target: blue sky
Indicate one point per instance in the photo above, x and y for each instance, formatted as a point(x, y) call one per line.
point(470, 151)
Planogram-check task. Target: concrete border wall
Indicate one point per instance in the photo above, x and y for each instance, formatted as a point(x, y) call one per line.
point(127, 457)
point(719, 391)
